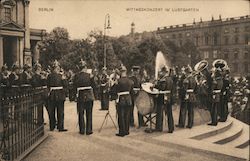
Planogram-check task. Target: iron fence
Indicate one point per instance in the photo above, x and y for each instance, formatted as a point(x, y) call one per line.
point(21, 120)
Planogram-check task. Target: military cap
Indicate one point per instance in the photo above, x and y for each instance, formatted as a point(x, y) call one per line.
point(82, 63)
point(136, 67)
point(37, 65)
point(104, 68)
point(55, 64)
point(123, 68)
point(14, 66)
point(4, 67)
point(26, 66)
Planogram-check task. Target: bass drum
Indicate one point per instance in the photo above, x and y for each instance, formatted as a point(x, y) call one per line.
point(144, 103)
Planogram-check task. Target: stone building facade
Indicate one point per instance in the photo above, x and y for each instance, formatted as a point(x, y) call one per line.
point(228, 39)
point(18, 42)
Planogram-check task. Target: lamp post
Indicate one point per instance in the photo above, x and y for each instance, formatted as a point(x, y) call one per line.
point(106, 27)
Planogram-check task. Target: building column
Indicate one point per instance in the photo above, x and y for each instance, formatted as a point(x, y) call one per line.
point(21, 50)
point(1, 51)
point(27, 52)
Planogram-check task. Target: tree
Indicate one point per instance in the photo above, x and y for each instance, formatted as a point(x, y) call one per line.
point(55, 45)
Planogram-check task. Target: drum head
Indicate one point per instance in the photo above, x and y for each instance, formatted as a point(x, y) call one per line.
point(147, 87)
point(144, 103)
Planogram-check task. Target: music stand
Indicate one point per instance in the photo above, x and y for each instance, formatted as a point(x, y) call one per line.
point(106, 120)
point(150, 120)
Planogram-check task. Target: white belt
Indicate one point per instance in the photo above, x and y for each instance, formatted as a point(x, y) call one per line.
point(164, 92)
point(136, 89)
point(14, 86)
point(216, 91)
point(120, 94)
point(56, 88)
point(81, 89)
point(25, 85)
point(3, 85)
point(41, 87)
point(190, 90)
point(103, 84)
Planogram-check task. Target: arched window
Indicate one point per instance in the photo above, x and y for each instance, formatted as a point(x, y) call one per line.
point(215, 38)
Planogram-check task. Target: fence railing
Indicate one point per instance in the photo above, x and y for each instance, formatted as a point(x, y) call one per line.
point(21, 120)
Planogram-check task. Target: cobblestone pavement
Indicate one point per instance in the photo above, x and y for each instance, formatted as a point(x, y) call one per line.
point(105, 146)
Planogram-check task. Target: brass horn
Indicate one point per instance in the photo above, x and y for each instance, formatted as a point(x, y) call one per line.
point(201, 66)
point(220, 63)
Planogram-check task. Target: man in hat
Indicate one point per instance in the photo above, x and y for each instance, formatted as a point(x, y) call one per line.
point(217, 85)
point(160, 84)
point(190, 88)
point(168, 98)
point(25, 77)
point(14, 79)
point(4, 76)
point(57, 95)
point(38, 83)
point(83, 84)
point(223, 111)
point(124, 88)
point(136, 78)
point(104, 89)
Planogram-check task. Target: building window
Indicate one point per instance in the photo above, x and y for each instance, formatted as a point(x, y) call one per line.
point(206, 54)
point(215, 54)
point(180, 42)
point(226, 55)
point(235, 65)
point(215, 38)
point(246, 55)
point(180, 35)
point(246, 67)
point(7, 13)
point(226, 40)
point(246, 39)
point(226, 30)
point(197, 41)
point(236, 29)
point(173, 36)
point(247, 28)
point(236, 39)
point(206, 40)
point(236, 55)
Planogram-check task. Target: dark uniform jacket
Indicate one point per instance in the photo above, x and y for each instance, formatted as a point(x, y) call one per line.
point(124, 85)
point(190, 87)
point(161, 86)
point(168, 97)
point(216, 89)
point(104, 81)
point(55, 80)
point(137, 84)
point(84, 79)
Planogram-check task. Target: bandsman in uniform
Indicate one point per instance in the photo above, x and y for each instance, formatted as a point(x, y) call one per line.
point(83, 83)
point(56, 84)
point(190, 87)
point(160, 84)
point(168, 99)
point(217, 85)
point(225, 95)
point(124, 89)
point(104, 89)
point(135, 77)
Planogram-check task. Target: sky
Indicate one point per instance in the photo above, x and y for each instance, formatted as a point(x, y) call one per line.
point(80, 17)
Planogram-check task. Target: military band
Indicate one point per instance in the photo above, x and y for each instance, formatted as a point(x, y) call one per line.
point(209, 89)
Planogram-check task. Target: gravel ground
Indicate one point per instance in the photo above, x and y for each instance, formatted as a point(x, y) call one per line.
point(105, 146)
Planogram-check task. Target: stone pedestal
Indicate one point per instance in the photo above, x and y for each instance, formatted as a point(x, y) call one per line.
point(27, 56)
